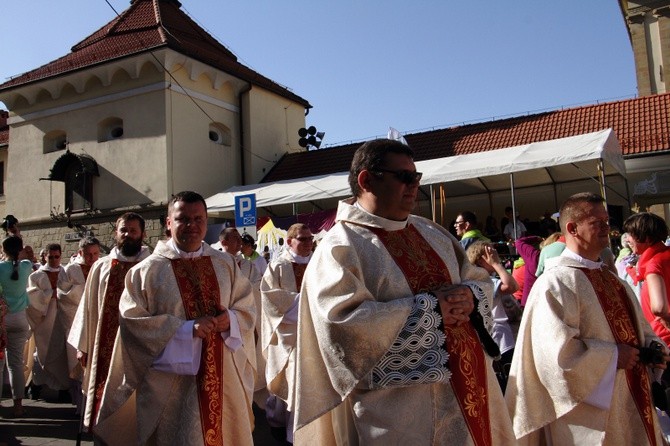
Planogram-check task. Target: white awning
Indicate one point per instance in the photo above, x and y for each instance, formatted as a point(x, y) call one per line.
point(539, 163)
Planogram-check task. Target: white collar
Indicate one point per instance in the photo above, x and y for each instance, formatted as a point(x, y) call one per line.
point(385, 223)
point(184, 254)
point(590, 264)
point(46, 267)
point(299, 259)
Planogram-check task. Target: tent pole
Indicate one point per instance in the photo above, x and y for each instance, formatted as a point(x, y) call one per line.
point(511, 183)
point(432, 203)
point(601, 179)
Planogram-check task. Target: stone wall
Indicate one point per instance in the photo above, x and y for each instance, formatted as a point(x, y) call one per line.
point(40, 234)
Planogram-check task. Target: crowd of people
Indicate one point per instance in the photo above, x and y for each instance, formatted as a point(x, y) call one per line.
point(393, 331)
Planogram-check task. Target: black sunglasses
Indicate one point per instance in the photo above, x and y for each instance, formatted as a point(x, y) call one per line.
point(404, 176)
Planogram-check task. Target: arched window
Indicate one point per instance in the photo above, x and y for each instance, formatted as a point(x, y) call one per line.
point(54, 140)
point(219, 134)
point(77, 172)
point(109, 129)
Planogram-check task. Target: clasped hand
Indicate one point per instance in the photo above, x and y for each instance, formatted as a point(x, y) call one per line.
point(204, 325)
point(456, 303)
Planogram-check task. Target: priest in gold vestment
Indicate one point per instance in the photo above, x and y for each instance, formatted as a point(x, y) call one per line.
point(576, 376)
point(393, 346)
point(183, 366)
point(97, 319)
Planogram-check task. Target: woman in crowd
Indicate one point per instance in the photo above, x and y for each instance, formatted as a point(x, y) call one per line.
point(14, 279)
point(646, 235)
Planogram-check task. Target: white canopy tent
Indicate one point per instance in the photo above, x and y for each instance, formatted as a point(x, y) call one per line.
point(591, 155)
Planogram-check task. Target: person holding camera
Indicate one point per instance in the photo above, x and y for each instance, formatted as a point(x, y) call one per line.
point(581, 367)
point(11, 226)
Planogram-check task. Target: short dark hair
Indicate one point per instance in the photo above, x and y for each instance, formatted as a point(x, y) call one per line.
point(646, 227)
point(572, 210)
point(130, 216)
point(372, 155)
point(54, 247)
point(226, 233)
point(247, 240)
point(186, 196)
point(88, 241)
point(470, 217)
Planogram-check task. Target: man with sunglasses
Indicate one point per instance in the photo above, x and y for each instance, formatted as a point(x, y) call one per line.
point(392, 348)
point(280, 289)
point(51, 366)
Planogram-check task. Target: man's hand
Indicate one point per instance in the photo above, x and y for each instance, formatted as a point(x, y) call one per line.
point(628, 356)
point(203, 326)
point(222, 321)
point(456, 303)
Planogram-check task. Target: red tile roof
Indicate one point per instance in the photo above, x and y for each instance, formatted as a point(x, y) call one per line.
point(642, 126)
point(150, 25)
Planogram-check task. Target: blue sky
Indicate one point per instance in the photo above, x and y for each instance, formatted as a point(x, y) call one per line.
point(368, 65)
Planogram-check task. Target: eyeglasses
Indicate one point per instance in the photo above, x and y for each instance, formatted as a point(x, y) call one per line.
point(305, 239)
point(459, 222)
point(404, 176)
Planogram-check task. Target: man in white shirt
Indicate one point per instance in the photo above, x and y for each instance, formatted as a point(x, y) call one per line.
point(184, 360)
point(576, 376)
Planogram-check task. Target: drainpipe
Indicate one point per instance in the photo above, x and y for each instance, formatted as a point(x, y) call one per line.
point(243, 178)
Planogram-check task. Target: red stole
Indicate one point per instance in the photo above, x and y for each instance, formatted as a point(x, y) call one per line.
point(85, 269)
point(109, 325)
point(53, 280)
point(425, 270)
point(299, 273)
point(620, 316)
point(200, 295)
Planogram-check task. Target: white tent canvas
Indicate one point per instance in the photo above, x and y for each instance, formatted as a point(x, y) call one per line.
point(540, 163)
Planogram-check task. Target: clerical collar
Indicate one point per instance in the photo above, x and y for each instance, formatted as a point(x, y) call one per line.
point(590, 264)
point(115, 253)
point(385, 223)
point(299, 259)
point(47, 268)
point(184, 254)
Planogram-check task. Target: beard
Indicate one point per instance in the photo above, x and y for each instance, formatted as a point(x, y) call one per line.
point(129, 247)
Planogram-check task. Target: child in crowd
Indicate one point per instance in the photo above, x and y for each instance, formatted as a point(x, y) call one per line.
point(484, 255)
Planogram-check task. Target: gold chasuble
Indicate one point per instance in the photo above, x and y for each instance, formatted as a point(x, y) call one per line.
point(425, 270)
point(53, 280)
point(620, 316)
point(109, 325)
point(199, 288)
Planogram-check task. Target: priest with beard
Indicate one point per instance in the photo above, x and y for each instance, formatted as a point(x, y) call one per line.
point(97, 319)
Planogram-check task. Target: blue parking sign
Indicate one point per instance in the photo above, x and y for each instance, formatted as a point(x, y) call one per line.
point(245, 210)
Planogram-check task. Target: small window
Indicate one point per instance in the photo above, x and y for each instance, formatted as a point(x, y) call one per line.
point(110, 129)
point(219, 134)
point(54, 141)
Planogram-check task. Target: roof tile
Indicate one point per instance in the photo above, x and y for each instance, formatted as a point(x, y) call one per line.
point(642, 126)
